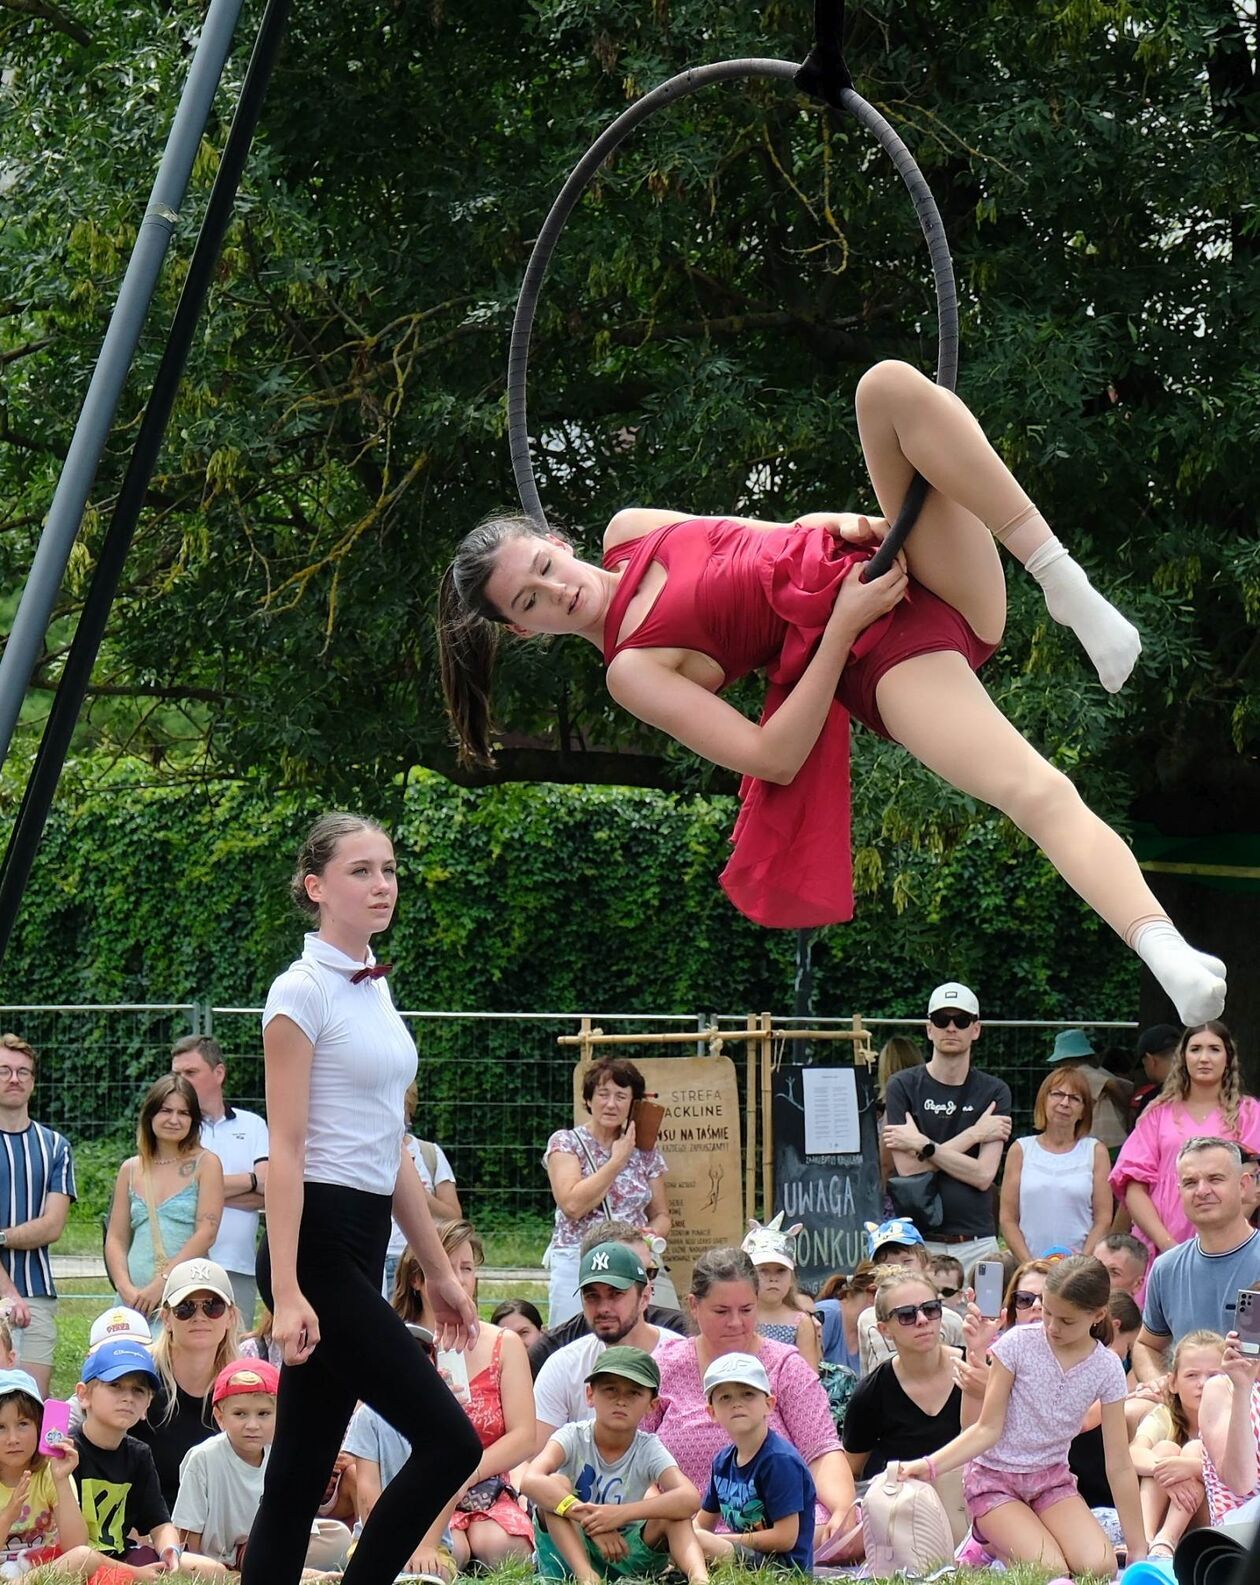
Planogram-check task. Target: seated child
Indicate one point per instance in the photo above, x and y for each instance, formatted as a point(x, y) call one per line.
point(947, 1273)
point(221, 1480)
point(595, 1520)
point(761, 1487)
point(40, 1517)
point(118, 1481)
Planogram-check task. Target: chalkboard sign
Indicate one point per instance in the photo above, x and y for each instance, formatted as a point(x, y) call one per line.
point(834, 1196)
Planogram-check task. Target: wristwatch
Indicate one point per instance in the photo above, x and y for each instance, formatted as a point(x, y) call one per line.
point(4, 1238)
point(928, 1151)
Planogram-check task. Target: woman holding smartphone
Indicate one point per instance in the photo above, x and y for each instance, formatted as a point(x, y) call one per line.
point(338, 1062)
point(598, 1173)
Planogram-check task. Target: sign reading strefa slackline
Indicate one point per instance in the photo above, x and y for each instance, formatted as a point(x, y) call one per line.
point(826, 1164)
point(700, 1140)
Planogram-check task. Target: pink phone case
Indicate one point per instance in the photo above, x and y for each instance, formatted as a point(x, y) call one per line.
point(55, 1427)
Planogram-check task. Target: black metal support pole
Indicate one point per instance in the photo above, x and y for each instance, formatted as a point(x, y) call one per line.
point(28, 828)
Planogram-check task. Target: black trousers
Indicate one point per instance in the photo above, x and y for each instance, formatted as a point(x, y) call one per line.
point(364, 1351)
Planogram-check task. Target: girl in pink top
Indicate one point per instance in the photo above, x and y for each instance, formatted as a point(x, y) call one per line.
point(723, 1304)
point(1201, 1096)
point(1021, 1495)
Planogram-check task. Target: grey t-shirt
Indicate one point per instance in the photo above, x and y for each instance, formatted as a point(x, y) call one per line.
point(595, 1480)
point(369, 1436)
point(1188, 1288)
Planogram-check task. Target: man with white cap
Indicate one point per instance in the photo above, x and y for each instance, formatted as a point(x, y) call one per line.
point(946, 1124)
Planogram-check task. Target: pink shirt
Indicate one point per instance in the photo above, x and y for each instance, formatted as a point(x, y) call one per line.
point(1221, 1500)
point(1149, 1157)
point(1047, 1403)
point(801, 1412)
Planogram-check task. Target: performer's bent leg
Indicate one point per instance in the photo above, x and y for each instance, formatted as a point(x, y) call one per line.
point(907, 423)
point(937, 708)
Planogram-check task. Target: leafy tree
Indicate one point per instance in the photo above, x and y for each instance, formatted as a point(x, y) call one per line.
point(713, 304)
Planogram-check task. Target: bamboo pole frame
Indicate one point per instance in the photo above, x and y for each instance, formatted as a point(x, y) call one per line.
point(761, 1062)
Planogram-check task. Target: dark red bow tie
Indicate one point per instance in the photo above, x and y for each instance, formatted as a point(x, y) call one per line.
point(378, 971)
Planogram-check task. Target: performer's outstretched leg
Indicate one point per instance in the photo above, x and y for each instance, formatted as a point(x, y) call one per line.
point(938, 709)
point(906, 423)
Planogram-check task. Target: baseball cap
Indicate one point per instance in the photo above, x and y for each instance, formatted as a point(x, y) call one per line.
point(614, 1264)
point(117, 1357)
point(120, 1322)
point(1158, 1039)
point(746, 1369)
point(192, 1276)
point(245, 1375)
point(632, 1364)
point(952, 994)
point(900, 1230)
point(19, 1381)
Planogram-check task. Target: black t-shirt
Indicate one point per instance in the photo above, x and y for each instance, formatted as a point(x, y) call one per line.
point(118, 1492)
point(1087, 1459)
point(555, 1338)
point(191, 1423)
point(940, 1111)
point(883, 1421)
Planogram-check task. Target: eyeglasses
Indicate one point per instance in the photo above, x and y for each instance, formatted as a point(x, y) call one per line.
point(1025, 1301)
point(942, 1019)
point(16, 1073)
point(212, 1309)
point(906, 1314)
point(1065, 1095)
point(950, 1293)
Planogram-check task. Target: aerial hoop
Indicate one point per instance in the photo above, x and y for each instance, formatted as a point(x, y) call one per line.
point(824, 76)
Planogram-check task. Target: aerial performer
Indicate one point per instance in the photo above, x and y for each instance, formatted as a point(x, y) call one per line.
point(681, 607)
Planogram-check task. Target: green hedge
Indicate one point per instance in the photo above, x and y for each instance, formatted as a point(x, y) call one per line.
point(531, 898)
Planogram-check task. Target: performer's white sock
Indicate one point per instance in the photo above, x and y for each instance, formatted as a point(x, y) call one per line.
point(1194, 981)
point(1111, 641)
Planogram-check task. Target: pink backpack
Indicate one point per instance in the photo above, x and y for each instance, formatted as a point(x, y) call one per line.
point(905, 1526)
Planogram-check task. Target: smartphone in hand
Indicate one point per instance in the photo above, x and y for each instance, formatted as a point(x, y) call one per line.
point(54, 1428)
point(1247, 1322)
point(990, 1281)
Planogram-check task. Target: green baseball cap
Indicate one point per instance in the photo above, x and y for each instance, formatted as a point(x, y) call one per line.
point(633, 1364)
point(613, 1264)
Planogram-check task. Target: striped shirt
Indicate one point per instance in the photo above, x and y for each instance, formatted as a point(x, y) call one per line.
point(33, 1164)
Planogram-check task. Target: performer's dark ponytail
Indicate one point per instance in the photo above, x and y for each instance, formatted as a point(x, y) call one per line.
point(468, 632)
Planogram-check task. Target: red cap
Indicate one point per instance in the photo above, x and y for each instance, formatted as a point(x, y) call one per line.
point(246, 1375)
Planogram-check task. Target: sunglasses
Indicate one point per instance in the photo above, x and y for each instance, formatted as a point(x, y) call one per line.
point(942, 1020)
point(212, 1309)
point(1025, 1301)
point(906, 1314)
point(950, 1293)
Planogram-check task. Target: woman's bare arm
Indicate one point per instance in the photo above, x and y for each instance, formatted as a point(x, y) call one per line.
point(715, 730)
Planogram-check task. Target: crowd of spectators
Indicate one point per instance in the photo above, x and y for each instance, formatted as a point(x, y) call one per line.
point(1106, 1407)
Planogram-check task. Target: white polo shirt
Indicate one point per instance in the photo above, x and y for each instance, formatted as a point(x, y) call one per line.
point(364, 1061)
point(239, 1139)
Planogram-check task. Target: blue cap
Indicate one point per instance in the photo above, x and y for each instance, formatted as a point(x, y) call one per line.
point(19, 1381)
point(901, 1230)
point(119, 1357)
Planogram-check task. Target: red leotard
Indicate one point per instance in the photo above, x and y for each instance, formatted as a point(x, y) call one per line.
point(750, 599)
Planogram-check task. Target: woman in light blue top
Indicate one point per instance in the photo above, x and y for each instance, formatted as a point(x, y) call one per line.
point(168, 1199)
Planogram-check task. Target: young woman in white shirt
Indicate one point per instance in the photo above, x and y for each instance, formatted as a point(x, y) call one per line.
point(338, 1062)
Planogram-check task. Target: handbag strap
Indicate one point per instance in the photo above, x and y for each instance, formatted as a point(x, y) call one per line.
point(590, 1162)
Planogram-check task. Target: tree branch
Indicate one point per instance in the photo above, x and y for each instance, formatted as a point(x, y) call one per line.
point(61, 20)
point(591, 767)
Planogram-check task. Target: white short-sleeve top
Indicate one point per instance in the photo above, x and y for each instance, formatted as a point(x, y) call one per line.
point(364, 1061)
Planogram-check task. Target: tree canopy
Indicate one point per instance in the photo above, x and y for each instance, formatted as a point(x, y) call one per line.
point(712, 305)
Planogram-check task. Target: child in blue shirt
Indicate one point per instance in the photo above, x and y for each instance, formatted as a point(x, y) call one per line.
point(760, 1486)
